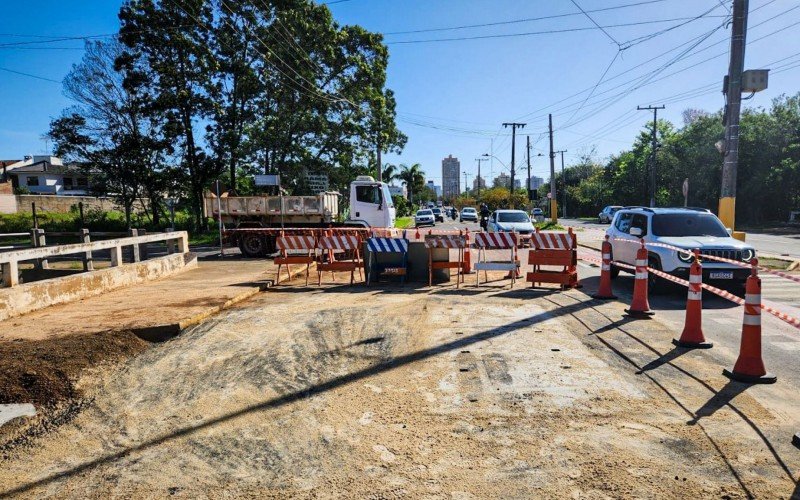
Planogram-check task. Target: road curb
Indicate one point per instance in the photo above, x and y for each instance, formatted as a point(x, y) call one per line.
point(164, 332)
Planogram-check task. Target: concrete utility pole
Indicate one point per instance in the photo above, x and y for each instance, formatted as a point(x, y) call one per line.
point(563, 180)
point(528, 185)
point(654, 109)
point(514, 126)
point(479, 160)
point(727, 194)
point(466, 183)
point(553, 203)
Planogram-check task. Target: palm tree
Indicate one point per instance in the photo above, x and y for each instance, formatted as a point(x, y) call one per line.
point(390, 173)
point(413, 177)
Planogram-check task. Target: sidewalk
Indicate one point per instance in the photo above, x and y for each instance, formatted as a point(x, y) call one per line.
point(160, 307)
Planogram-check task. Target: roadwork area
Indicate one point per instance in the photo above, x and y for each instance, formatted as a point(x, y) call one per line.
point(390, 392)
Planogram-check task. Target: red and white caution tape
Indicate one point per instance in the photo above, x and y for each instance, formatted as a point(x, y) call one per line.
point(795, 322)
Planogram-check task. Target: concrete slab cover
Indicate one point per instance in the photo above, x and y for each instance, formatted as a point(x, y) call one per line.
point(10, 412)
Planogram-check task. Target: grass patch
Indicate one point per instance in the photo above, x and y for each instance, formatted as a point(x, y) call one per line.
point(204, 239)
point(403, 222)
point(549, 226)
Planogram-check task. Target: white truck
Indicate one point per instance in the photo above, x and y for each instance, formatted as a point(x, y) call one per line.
point(370, 206)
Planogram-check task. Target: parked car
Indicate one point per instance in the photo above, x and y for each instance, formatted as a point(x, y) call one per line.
point(509, 220)
point(438, 214)
point(424, 218)
point(686, 228)
point(468, 214)
point(607, 214)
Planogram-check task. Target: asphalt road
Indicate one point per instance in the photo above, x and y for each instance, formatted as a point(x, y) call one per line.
point(770, 244)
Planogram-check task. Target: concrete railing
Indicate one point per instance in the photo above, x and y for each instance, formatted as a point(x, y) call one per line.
point(177, 242)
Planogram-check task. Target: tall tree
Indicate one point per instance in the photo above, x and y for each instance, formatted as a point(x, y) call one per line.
point(109, 131)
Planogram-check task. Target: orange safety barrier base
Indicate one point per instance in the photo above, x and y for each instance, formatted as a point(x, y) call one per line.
point(339, 265)
point(300, 259)
point(567, 259)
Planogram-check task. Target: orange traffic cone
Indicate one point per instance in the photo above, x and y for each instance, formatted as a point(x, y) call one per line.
point(640, 306)
point(466, 266)
point(605, 292)
point(416, 235)
point(749, 366)
point(692, 336)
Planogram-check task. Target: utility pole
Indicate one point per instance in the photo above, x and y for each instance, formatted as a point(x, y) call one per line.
point(727, 194)
point(563, 180)
point(466, 183)
point(514, 126)
point(528, 185)
point(479, 160)
point(553, 202)
point(654, 109)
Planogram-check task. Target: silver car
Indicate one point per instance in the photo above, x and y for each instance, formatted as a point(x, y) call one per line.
point(424, 218)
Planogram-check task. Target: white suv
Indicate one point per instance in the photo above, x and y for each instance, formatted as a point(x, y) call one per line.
point(689, 228)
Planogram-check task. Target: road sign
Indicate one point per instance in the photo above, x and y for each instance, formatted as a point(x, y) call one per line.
point(267, 180)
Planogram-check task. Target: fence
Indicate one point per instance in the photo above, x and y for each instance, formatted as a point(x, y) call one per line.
point(9, 261)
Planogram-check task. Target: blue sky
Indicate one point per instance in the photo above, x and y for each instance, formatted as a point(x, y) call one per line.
point(453, 95)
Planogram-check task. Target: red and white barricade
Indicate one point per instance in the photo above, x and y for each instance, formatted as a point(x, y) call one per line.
point(295, 249)
point(554, 249)
point(348, 243)
point(496, 241)
point(450, 242)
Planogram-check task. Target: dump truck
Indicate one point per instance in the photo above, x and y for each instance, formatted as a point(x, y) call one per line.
point(253, 222)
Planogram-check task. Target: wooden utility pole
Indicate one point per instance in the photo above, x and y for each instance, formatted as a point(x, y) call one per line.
point(528, 185)
point(653, 148)
point(727, 195)
point(563, 181)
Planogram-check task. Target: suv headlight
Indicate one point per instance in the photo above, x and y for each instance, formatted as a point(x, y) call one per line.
point(748, 254)
point(686, 256)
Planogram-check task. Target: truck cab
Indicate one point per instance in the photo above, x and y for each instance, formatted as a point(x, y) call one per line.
point(370, 203)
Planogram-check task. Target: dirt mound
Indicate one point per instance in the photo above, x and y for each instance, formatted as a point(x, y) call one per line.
point(44, 372)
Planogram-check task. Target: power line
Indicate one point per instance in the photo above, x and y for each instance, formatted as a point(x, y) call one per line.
point(601, 28)
point(29, 75)
point(530, 33)
point(517, 21)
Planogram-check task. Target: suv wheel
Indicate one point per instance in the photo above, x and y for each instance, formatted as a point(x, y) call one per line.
point(655, 284)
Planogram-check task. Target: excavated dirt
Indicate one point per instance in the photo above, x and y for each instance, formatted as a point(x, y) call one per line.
point(395, 393)
point(44, 372)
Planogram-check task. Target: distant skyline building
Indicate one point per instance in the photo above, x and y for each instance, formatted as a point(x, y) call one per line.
point(451, 177)
point(398, 191)
point(536, 182)
point(479, 182)
point(502, 180)
point(436, 189)
point(517, 184)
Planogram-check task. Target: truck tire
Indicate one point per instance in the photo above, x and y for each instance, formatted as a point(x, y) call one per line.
point(253, 245)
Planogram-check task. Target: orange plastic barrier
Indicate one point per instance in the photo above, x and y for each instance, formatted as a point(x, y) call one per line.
point(554, 249)
point(350, 244)
point(302, 248)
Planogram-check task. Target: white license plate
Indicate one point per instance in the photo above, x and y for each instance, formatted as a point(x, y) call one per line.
point(721, 275)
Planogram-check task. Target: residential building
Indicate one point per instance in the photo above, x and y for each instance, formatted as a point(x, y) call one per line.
point(451, 175)
point(47, 175)
point(517, 184)
point(536, 182)
point(398, 191)
point(479, 183)
point(502, 180)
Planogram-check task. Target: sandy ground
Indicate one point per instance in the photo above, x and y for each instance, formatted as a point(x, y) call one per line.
point(388, 393)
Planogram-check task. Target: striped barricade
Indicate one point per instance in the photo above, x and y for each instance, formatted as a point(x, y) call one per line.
point(449, 241)
point(383, 245)
point(295, 249)
point(496, 241)
point(348, 243)
point(554, 249)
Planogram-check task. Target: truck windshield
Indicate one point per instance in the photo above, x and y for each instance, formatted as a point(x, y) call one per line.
point(691, 224)
point(512, 217)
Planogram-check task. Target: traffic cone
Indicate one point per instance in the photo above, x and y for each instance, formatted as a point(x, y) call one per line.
point(466, 266)
point(416, 235)
point(605, 292)
point(749, 366)
point(640, 306)
point(692, 336)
